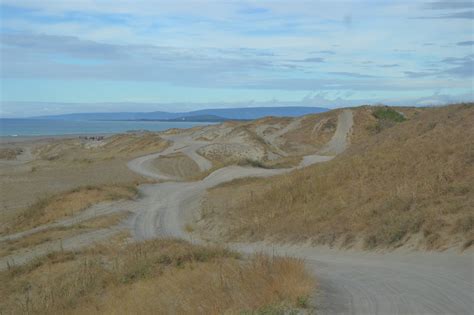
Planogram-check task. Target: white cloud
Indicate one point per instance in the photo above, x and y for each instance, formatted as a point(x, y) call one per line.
point(236, 44)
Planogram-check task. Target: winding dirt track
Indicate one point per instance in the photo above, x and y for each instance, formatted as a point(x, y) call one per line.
point(351, 282)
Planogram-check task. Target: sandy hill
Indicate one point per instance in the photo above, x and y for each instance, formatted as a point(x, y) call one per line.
point(266, 140)
point(407, 179)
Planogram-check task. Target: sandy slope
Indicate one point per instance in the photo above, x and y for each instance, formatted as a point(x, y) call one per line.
point(339, 141)
point(350, 282)
point(181, 143)
point(399, 282)
point(172, 209)
point(70, 243)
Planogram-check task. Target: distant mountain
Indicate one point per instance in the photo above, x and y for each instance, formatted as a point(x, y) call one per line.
point(208, 115)
point(258, 112)
point(197, 118)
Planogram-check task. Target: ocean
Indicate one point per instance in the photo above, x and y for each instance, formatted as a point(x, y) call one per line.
point(42, 127)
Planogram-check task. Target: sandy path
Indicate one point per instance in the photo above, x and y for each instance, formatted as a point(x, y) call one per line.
point(180, 166)
point(70, 243)
point(180, 143)
point(350, 282)
point(100, 209)
point(174, 204)
point(339, 141)
point(272, 139)
point(399, 282)
point(336, 145)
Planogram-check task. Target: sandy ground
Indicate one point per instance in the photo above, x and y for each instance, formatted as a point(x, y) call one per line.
point(351, 282)
point(183, 143)
point(28, 178)
point(177, 165)
point(399, 282)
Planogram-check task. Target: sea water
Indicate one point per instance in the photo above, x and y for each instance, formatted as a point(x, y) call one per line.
point(42, 127)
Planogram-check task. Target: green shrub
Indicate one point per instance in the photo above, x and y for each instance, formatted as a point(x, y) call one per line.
point(386, 113)
point(303, 301)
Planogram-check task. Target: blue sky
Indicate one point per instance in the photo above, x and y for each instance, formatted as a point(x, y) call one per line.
point(121, 55)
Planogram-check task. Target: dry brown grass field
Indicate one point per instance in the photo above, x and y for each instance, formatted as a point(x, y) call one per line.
point(159, 277)
point(311, 133)
point(66, 204)
point(67, 175)
point(406, 182)
point(60, 233)
point(10, 153)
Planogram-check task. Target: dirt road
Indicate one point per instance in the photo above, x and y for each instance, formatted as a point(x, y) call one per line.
point(351, 282)
point(180, 143)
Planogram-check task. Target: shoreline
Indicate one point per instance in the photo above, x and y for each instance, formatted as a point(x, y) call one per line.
point(32, 138)
point(11, 133)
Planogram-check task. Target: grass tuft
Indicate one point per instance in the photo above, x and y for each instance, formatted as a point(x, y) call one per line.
point(157, 276)
point(52, 208)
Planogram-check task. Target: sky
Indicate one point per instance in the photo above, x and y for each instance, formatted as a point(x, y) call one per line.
point(61, 56)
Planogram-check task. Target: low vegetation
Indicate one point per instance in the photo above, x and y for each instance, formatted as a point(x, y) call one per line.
point(8, 247)
point(177, 165)
point(119, 146)
point(50, 209)
point(160, 277)
point(310, 134)
point(411, 183)
point(284, 162)
point(386, 117)
point(288, 162)
point(387, 113)
point(63, 165)
point(10, 153)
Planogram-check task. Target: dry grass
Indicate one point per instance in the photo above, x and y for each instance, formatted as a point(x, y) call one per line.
point(67, 204)
point(303, 134)
point(203, 174)
point(366, 123)
point(9, 153)
point(8, 247)
point(24, 185)
point(177, 165)
point(61, 165)
point(270, 142)
point(60, 233)
point(412, 182)
point(134, 145)
point(121, 146)
point(313, 132)
point(103, 221)
point(160, 277)
point(286, 162)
